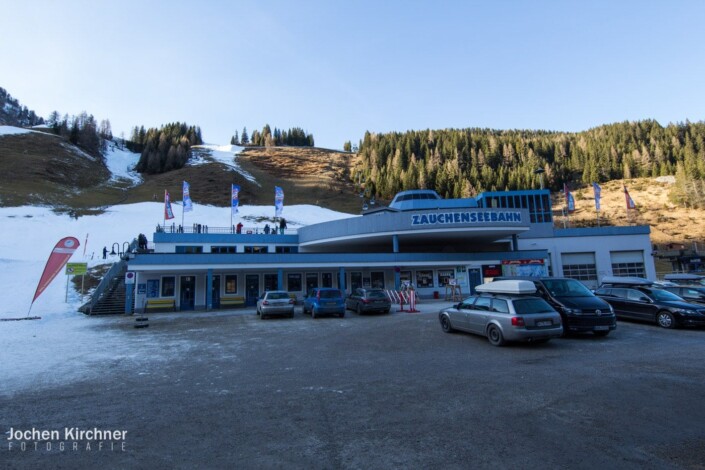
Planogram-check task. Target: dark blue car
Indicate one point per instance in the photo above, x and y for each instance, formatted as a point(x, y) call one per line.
point(325, 301)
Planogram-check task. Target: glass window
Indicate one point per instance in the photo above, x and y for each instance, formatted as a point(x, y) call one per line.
point(293, 282)
point(444, 275)
point(581, 272)
point(168, 285)
point(629, 269)
point(424, 279)
point(231, 283)
point(311, 281)
point(531, 305)
point(189, 249)
point(326, 279)
point(223, 249)
point(500, 305)
point(285, 249)
point(271, 282)
point(355, 281)
point(635, 295)
point(377, 278)
point(483, 303)
point(256, 249)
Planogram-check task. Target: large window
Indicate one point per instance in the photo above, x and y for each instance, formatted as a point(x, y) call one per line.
point(231, 283)
point(311, 281)
point(444, 275)
point(168, 286)
point(256, 249)
point(285, 249)
point(293, 282)
point(189, 249)
point(424, 279)
point(377, 278)
point(326, 279)
point(355, 281)
point(223, 249)
point(271, 281)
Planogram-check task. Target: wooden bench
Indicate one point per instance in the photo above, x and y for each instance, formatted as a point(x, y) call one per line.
point(160, 304)
point(232, 301)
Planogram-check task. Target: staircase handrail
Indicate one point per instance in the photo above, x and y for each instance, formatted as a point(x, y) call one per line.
point(115, 270)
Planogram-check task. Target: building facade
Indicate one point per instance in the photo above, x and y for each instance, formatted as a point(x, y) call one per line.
point(419, 241)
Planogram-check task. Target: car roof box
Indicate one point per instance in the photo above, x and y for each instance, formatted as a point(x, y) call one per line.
point(633, 281)
point(682, 277)
point(513, 286)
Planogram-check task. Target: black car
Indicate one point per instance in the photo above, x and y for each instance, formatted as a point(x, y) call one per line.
point(368, 300)
point(581, 311)
point(639, 300)
point(688, 293)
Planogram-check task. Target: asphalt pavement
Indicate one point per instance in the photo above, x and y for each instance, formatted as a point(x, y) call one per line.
point(228, 390)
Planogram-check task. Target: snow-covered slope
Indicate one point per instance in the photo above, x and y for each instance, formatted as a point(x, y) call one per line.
point(225, 154)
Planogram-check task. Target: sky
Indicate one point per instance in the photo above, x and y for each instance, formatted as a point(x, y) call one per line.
point(338, 69)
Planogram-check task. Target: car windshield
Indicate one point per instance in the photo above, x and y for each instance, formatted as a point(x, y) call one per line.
point(664, 295)
point(376, 294)
point(277, 295)
point(566, 288)
point(329, 294)
point(531, 305)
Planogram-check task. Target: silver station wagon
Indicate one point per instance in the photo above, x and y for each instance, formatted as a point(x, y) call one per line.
point(504, 311)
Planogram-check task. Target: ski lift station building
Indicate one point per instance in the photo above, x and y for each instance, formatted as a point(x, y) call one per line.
point(420, 240)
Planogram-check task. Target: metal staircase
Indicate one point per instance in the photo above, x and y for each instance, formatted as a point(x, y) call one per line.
point(112, 302)
point(109, 297)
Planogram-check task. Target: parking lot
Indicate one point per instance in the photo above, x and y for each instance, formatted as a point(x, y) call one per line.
point(226, 389)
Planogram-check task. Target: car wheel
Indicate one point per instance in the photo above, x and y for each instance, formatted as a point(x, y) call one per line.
point(445, 324)
point(262, 316)
point(258, 312)
point(313, 312)
point(359, 309)
point(665, 319)
point(386, 310)
point(601, 333)
point(342, 314)
point(494, 335)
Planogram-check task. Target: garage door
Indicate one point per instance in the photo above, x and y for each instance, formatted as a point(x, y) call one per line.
point(628, 263)
point(580, 266)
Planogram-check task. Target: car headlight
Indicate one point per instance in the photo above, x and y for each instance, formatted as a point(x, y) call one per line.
point(685, 311)
point(573, 311)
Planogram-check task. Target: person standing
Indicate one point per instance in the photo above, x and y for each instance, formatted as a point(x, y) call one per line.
point(105, 252)
point(282, 225)
point(238, 229)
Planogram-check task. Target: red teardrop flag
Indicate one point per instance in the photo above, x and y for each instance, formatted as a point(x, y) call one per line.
point(57, 259)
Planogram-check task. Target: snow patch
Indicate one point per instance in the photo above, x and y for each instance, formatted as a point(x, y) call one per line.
point(225, 154)
point(121, 163)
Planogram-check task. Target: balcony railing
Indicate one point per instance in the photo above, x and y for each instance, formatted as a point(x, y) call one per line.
point(200, 228)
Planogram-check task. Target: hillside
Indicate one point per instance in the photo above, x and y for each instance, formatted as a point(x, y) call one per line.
point(44, 169)
point(669, 222)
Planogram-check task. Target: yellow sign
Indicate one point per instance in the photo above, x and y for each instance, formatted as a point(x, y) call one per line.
point(76, 269)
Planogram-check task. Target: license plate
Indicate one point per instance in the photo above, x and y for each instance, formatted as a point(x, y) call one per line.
point(544, 323)
point(330, 303)
point(602, 328)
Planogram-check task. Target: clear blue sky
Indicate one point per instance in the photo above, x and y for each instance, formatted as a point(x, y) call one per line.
point(339, 68)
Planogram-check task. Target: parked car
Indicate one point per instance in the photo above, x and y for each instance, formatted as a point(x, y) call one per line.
point(581, 311)
point(275, 302)
point(637, 299)
point(504, 311)
point(324, 301)
point(688, 293)
point(368, 300)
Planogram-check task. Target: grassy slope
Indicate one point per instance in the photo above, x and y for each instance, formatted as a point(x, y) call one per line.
point(44, 169)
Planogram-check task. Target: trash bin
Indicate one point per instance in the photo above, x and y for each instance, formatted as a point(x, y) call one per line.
point(436, 295)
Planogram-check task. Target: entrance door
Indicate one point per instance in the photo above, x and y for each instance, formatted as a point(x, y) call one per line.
point(474, 278)
point(215, 291)
point(188, 293)
point(251, 288)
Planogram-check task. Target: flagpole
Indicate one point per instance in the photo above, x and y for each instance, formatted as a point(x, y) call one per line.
point(164, 210)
